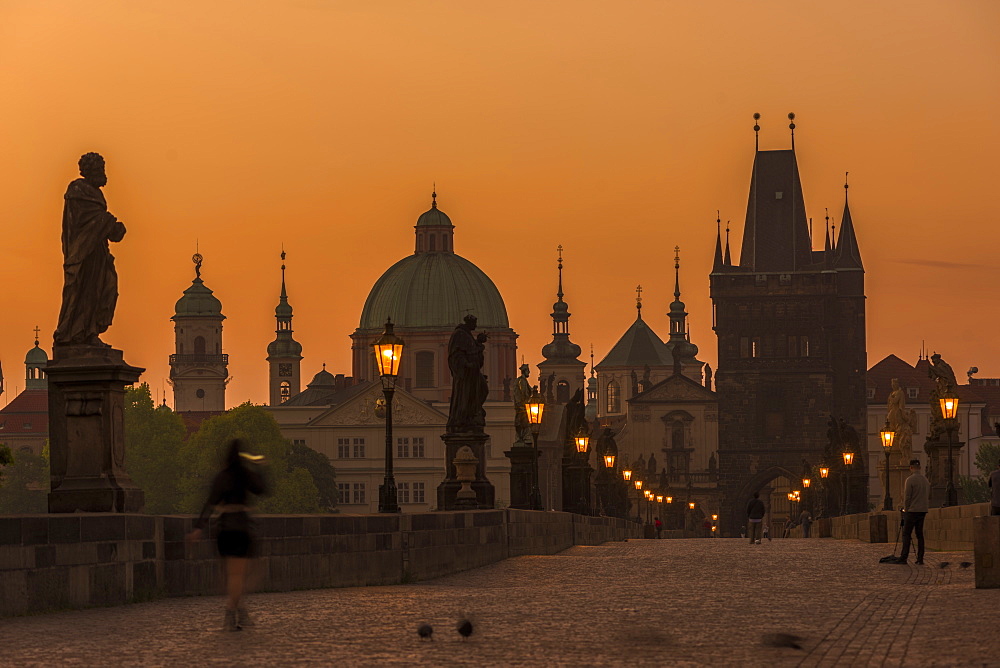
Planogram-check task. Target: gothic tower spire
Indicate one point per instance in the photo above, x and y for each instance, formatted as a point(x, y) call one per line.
point(284, 354)
point(562, 355)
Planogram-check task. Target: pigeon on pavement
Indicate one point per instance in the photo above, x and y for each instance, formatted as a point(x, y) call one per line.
point(425, 631)
point(465, 628)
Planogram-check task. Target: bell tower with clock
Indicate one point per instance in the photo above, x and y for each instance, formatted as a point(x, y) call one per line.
point(199, 370)
point(284, 354)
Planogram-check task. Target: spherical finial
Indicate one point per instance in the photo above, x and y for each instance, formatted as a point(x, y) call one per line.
point(756, 117)
point(791, 116)
point(756, 126)
point(197, 258)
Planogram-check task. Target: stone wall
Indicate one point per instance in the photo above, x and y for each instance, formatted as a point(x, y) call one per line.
point(56, 561)
point(944, 528)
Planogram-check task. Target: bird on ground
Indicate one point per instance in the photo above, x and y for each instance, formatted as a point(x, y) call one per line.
point(782, 640)
point(965, 564)
point(944, 564)
point(425, 631)
point(465, 628)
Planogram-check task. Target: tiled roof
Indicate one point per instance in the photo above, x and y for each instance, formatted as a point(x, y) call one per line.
point(30, 407)
point(638, 347)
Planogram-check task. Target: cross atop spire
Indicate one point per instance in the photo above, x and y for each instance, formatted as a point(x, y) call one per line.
point(559, 292)
point(37, 330)
point(638, 299)
point(677, 272)
point(434, 196)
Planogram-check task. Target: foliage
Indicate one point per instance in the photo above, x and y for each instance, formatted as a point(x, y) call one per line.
point(6, 456)
point(292, 489)
point(25, 483)
point(975, 488)
point(323, 474)
point(153, 440)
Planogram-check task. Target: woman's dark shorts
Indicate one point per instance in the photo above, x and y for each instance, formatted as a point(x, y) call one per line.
point(234, 543)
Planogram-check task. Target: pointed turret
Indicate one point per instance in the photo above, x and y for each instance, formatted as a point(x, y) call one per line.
point(34, 367)
point(848, 255)
point(284, 354)
point(683, 353)
point(728, 259)
point(718, 264)
point(561, 355)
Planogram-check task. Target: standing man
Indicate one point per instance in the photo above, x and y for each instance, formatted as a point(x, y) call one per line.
point(916, 503)
point(755, 515)
point(995, 485)
point(805, 519)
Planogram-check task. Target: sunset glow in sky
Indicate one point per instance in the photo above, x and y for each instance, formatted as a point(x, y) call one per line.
point(616, 129)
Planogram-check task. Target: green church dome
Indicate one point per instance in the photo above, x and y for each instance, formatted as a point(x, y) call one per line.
point(433, 291)
point(198, 300)
point(36, 357)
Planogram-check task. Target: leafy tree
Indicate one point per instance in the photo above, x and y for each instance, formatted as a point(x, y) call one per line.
point(323, 473)
point(292, 489)
point(6, 456)
point(975, 488)
point(25, 483)
point(153, 440)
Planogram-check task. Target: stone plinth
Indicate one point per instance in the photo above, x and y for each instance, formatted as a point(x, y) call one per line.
point(449, 487)
point(937, 475)
point(576, 484)
point(522, 461)
point(986, 538)
point(86, 431)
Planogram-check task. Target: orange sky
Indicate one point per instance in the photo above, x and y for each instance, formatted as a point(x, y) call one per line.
point(614, 128)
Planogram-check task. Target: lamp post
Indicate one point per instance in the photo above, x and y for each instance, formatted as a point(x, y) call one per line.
point(887, 436)
point(388, 352)
point(949, 411)
point(535, 408)
point(824, 473)
point(638, 500)
point(848, 460)
point(806, 484)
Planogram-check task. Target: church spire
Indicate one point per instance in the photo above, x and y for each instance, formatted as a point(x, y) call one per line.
point(717, 263)
point(560, 347)
point(682, 350)
point(728, 259)
point(638, 301)
point(284, 354)
point(848, 252)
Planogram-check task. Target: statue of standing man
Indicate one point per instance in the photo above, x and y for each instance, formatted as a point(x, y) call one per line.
point(469, 387)
point(90, 290)
point(522, 394)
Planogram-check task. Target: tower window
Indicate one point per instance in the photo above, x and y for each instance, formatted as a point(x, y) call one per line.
point(614, 397)
point(562, 392)
point(285, 391)
point(199, 345)
point(425, 368)
point(285, 369)
point(677, 434)
point(755, 347)
point(433, 242)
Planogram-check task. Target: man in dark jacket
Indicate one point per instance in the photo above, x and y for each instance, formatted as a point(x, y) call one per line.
point(755, 515)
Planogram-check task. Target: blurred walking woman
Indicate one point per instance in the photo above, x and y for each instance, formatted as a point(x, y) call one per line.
point(230, 494)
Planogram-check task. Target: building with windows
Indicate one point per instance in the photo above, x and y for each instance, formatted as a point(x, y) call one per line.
point(790, 323)
point(426, 294)
point(24, 422)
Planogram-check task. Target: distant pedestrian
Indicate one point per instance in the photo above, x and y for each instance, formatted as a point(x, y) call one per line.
point(230, 494)
point(743, 531)
point(789, 525)
point(755, 515)
point(995, 485)
point(916, 503)
point(659, 526)
point(766, 533)
point(805, 519)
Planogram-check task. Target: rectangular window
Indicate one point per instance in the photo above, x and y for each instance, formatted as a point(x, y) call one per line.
point(755, 347)
point(298, 441)
point(343, 493)
point(359, 448)
point(912, 392)
point(403, 492)
point(793, 346)
point(418, 492)
point(417, 448)
point(425, 368)
point(403, 447)
point(744, 346)
point(804, 346)
point(343, 448)
point(359, 493)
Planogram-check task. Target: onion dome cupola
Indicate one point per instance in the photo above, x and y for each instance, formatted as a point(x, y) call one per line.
point(199, 370)
point(34, 367)
point(284, 354)
point(561, 374)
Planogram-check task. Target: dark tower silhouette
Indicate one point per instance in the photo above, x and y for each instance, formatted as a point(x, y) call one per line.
point(790, 323)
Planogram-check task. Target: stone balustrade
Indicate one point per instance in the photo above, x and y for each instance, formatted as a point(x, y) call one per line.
point(70, 561)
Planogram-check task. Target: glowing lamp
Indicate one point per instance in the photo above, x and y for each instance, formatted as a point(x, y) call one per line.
point(824, 472)
point(609, 461)
point(691, 505)
point(638, 484)
point(949, 406)
point(848, 458)
point(659, 498)
point(806, 482)
point(388, 352)
point(535, 407)
point(887, 436)
point(670, 499)
point(582, 441)
point(715, 518)
point(627, 475)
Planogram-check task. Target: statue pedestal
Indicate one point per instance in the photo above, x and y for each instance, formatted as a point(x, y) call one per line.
point(576, 485)
point(86, 431)
point(447, 491)
point(897, 478)
point(522, 459)
point(936, 469)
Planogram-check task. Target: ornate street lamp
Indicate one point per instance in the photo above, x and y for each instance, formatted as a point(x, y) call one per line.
point(887, 436)
point(638, 499)
point(609, 461)
point(627, 475)
point(691, 505)
point(659, 498)
point(670, 499)
point(806, 482)
point(582, 441)
point(824, 472)
point(848, 460)
point(388, 353)
point(949, 411)
point(535, 408)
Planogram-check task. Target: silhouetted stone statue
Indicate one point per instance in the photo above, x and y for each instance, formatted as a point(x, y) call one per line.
point(651, 465)
point(469, 388)
point(712, 464)
point(664, 479)
point(522, 393)
point(90, 290)
point(942, 373)
point(575, 419)
point(901, 421)
point(638, 466)
point(635, 385)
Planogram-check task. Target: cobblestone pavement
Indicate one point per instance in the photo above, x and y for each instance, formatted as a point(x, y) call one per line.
point(645, 602)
